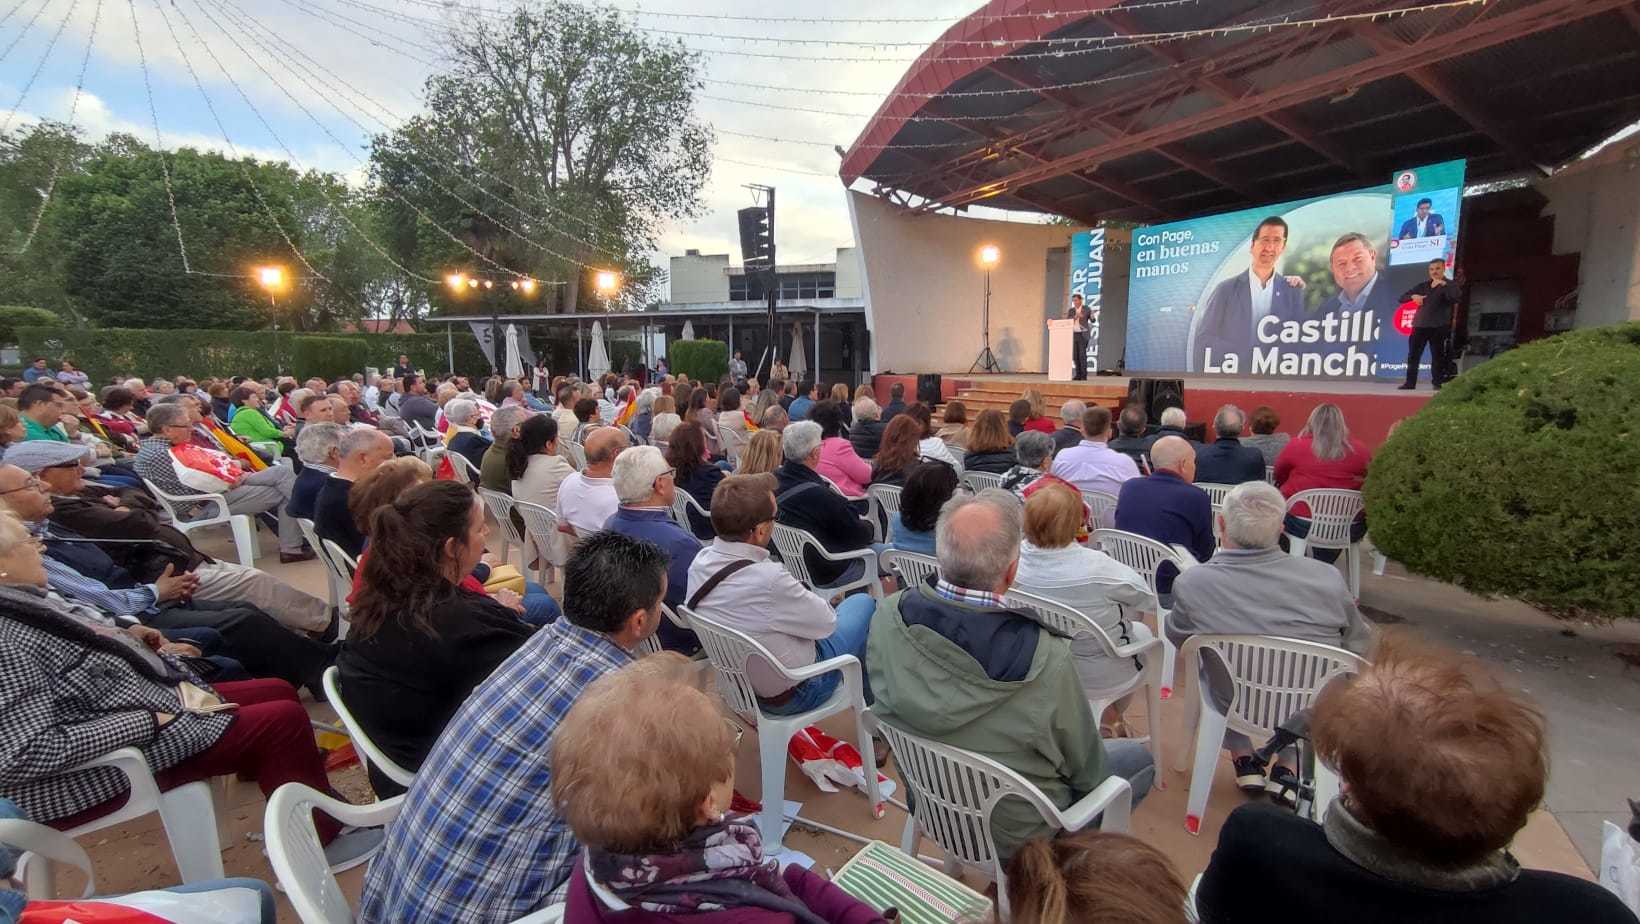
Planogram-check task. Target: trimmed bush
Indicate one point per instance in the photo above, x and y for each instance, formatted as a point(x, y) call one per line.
point(14, 316)
point(1522, 478)
point(701, 360)
point(105, 352)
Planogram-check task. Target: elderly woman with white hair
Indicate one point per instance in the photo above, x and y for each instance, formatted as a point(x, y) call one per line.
point(866, 433)
point(464, 436)
point(643, 420)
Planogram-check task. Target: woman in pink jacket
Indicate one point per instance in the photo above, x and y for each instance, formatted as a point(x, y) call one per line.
point(838, 460)
point(643, 770)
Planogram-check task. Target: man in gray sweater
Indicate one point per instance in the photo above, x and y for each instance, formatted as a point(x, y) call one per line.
point(1251, 587)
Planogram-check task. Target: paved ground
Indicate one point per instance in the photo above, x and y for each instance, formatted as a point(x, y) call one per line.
point(1590, 695)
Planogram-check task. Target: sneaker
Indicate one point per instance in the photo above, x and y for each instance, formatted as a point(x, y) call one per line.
point(1249, 774)
point(1283, 787)
point(1405, 387)
point(353, 846)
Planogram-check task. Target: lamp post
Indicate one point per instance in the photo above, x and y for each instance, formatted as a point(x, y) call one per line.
point(272, 280)
point(988, 257)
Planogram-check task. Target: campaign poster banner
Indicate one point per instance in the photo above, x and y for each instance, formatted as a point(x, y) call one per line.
point(1087, 280)
point(1301, 289)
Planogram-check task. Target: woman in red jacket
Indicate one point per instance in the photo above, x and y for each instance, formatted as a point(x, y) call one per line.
point(1323, 455)
point(643, 770)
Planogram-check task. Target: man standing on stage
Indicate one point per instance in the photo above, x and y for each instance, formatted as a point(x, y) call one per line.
point(1079, 313)
point(1436, 298)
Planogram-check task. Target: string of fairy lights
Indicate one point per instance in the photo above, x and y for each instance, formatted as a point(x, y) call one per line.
point(281, 63)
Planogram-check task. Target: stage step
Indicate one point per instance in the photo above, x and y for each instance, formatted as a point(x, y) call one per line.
point(976, 400)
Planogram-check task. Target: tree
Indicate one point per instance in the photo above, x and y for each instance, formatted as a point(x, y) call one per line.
point(558, 139)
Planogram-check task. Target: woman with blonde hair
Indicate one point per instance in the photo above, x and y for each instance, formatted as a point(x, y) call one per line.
point(762, 454)
point(864, 390)
point(1038, 419)
point(990, 448)
point(953, 429)
point(1322, 455)
point(839, 394)
point(643, 772)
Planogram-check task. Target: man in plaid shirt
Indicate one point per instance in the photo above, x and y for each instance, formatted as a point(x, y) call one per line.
point(478, 841)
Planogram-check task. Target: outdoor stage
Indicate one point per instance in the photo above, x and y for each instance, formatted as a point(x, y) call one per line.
point(1371, 408)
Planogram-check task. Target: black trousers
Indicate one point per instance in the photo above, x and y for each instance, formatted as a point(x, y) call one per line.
point(254, 639)
point(1079, 357)
point(1435, 338)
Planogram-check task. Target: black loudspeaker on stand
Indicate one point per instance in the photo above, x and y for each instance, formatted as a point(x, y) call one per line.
point(928, 388)
point(1156, 396)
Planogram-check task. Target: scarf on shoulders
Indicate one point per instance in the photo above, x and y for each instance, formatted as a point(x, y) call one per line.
point(714, 867)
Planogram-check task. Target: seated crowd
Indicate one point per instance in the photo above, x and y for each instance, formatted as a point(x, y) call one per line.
point(552, 764)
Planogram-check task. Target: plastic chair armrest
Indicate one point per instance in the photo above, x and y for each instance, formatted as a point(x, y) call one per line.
point(848, 664)
point(1135, 649)
point(1186, 560)
point(1113, 797)
point(127, 760)
point(865, 554)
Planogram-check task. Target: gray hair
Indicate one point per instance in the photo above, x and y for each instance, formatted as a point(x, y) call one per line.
point(799, 440)
point(1033, 448)
point(663, 425)
point(1071, 412)
point(1174, 417)
point(317, 441)
point(867, 409)
point(357, 439)
point(646, 398)
point(133, 383)
point(1229, 421)
point(460, 411)
point(1253, 512)
point(170, 414)
point(978, 558)
point(1329, 435)
point(505, 419)
point(633, 475)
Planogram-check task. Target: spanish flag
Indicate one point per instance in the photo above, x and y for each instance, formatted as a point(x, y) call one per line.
point(624, 418)
point(233, 447)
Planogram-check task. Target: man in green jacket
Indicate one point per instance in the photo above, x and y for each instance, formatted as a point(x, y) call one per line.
point(949, 662)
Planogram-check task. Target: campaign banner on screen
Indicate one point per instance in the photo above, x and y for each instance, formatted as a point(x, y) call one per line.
point(1087, 280)
point(1301, 289)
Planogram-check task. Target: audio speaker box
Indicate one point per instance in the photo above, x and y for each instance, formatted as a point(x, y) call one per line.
point(928, 388)
point(1156, 395)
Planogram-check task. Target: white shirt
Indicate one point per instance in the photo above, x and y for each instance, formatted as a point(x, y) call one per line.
point(935, 448)
point(1263, 293)
point(765, 602)
point(586, 503)
point(372, 397)
point(1094, 466)
point(1423, 225)
point(1092, 583)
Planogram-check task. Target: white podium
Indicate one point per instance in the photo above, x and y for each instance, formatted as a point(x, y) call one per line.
point(1061, 349)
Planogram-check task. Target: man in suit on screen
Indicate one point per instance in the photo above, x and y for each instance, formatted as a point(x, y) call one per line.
point(1225, 324)
point(1424, 223)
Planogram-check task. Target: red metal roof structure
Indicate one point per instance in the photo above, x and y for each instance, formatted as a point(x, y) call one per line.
point(1099, 109)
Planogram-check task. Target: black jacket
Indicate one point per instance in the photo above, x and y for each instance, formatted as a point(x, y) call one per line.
point(1439, 303)
point(892, 409)
point(1271, 865)
point(866, 436)
point(305, 494)
point(403, 685)
point(1227, 461)
point(1136, 448)
point(996, 462)
point(700, 483)
point(822, 512)
point(1066, 437)
point(331, 518)
point(1168, 431)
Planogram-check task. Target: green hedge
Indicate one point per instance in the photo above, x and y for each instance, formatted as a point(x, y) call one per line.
point(14, 316)
point(106, 352)
point(1522, 477)
point(701, 360)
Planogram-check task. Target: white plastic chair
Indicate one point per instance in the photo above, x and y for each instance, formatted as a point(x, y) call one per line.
point(1144, 555)
point(38, 847)
point(1215, 493)
point(337, 595)
point(433, 455)
point(369, 753)
point(187, 812)
point(244, 536)
point(574, 452)
point(791, 542)
point(541, 528)
point(954, 792)
point(652, 644)
point(979, 481)
point(733, 443)
point(298, 860)
point(462, 468)
point(1270, 474)
point(501, 506)
point(341, 568)
point(913, 568)
point(1074, 624)
point(1332, 512)
point(1271, 679)
point(729, 651)
point(682, 504)
point(1103, 507)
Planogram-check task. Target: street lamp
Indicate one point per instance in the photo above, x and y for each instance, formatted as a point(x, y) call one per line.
point(272, 280)
point(989, 256)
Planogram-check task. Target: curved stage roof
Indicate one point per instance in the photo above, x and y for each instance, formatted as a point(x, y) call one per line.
point(1005, 111)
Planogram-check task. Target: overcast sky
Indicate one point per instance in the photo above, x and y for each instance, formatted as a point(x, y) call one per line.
point(368, 46)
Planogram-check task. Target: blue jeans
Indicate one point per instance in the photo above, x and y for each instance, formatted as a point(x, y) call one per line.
point(1131, 761)
point(853, 626)
point(539, 607)
point(209, 642)
point(1300, 527)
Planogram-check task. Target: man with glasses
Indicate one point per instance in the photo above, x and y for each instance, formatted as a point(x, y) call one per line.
point(734, 582)
point(646, 487)
point(170, 456)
